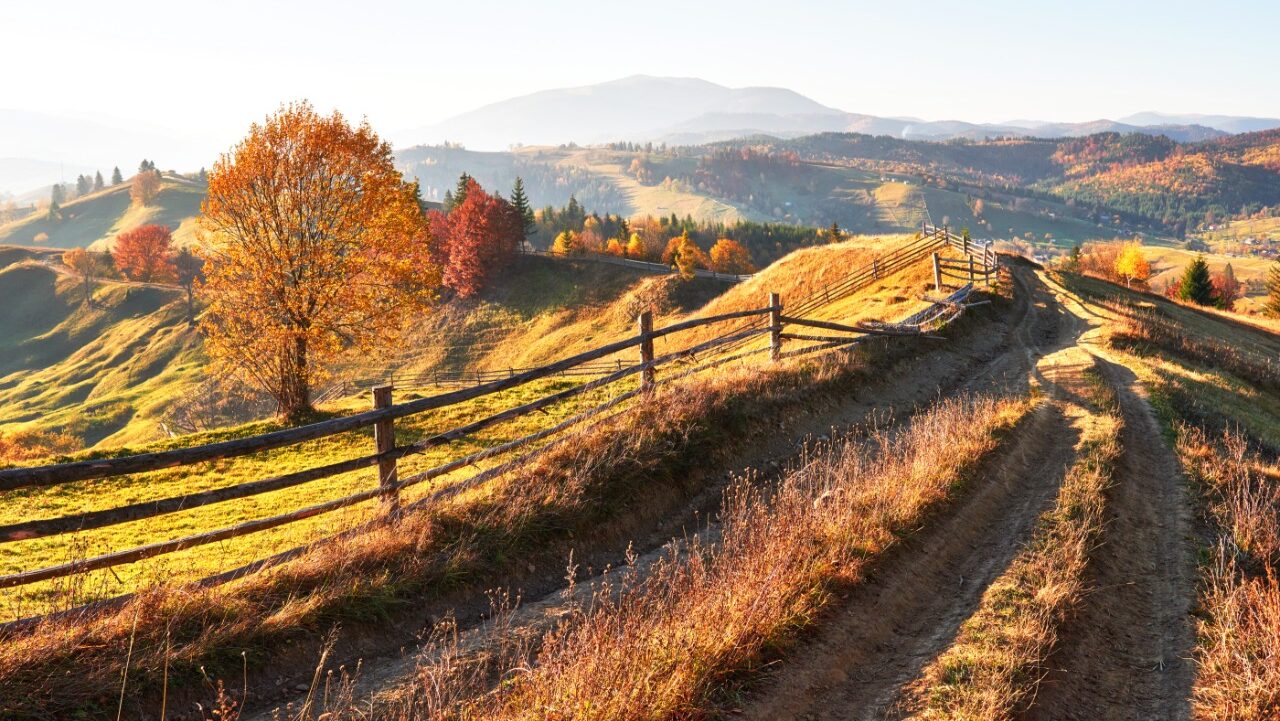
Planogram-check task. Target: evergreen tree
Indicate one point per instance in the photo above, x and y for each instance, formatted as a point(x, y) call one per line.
point(55, 209)
point(521, 203)
point(116, 177)
point(98, 183)
point(1273, 289)
point(459, 193)
point(144, 166)
point(57, 195)
point(833, 234)
point(83, 185)
point(448, 200)
point(1196, 285)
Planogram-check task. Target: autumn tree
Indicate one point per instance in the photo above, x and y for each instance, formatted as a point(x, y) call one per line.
point(87, 265)
point(637, 248)
point(1273, 289)
point(1131, 265)
point(314, 244)
point(566, 243)
point(143, 254)
point(145, 186)
point(729, 256)
point(673, 247)
point(1196, 286)
point(482, 233)
point(688, 257)
point(188, 269)
point(1226, 288)
point(616, 247)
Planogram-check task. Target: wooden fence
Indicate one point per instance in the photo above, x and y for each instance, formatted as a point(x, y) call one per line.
point(773, 319)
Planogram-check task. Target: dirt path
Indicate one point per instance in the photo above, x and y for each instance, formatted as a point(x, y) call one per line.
point(887, 628)
point(1124, 656)
point(890, 625)
point(1127, 655)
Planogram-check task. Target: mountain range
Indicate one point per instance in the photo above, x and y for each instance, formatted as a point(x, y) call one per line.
point(690, 111)
point(38, 149)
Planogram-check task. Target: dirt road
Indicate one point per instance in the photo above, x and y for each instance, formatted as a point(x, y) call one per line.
point(1122, 657)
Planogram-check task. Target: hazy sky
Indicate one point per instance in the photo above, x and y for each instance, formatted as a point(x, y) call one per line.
point(210, 68)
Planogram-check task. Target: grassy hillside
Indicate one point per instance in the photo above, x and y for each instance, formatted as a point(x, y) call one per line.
point(104, 374)
point(94, 220)
point(713, 185)
point(538, 310)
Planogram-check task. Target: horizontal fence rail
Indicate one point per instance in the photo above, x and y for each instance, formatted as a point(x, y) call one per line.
point(723, 348)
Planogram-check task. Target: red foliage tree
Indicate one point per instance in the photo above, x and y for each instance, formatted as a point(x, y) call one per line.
point(476, 237)
point(1226, 289)
point(145, 254)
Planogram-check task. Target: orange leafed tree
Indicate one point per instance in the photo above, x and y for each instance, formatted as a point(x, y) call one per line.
point(688, 256)
point(87, 265)
point(1131, 265)
point(144, 254)
point(313, 244)
point(145, 187)
point(729, 256)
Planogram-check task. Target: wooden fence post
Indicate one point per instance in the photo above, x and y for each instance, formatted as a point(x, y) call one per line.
point(875, 268)
point(775, 327)
point(649, 374)
point(384, 438)
point(971, 270)
point(937, 273)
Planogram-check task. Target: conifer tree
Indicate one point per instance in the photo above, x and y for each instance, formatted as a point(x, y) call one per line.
point(520, 202)
point(98, 183)
point(1273, 289)
point(116, 177)
point(57, 195)
point(1196, 285)
point(459, 193)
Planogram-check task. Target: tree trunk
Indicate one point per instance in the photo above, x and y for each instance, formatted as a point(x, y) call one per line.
point(295, 392)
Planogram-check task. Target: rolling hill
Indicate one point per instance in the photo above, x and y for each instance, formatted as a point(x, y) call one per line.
point(94, 220)
point(103, 374)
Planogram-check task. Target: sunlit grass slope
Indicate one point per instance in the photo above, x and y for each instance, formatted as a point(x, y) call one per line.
point(94, 220)
point(104, 374)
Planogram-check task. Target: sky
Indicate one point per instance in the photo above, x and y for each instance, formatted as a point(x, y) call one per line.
point(206, 70)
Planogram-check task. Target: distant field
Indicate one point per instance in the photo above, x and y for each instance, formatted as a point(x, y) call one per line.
point(1167, 265)
point(657, 200)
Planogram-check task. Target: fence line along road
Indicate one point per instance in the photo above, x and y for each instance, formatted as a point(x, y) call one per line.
point(770, 319)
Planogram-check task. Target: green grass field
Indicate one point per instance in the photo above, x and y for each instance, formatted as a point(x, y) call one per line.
point(198, 562)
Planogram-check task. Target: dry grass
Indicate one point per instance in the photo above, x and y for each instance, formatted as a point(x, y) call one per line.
point(1239, 650)
point(635, 467)
point(992, 669)
point(660, 646)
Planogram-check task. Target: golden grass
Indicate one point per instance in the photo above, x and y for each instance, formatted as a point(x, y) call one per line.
point(992, 669)
point(1238, 656)
point(635, 466)
point(203, 561)
point(659, 648)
